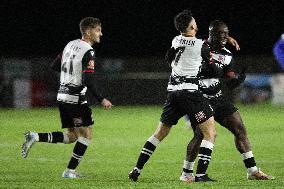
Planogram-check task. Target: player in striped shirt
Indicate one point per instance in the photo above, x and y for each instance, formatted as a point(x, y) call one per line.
point(76, 66)
point(184, 97)
point(218, 64)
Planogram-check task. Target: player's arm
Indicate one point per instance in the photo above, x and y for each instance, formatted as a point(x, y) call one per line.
point(208, 67)
point(56, 63)
point(170, 55)
point(234, 80)
point(234, 43)
point(89, 79)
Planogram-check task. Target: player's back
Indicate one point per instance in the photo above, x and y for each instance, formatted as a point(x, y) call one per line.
point(188, 58)
point(71, 64)
point(71, 85)
point(186, 64)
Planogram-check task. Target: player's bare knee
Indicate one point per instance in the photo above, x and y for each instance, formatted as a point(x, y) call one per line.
point(162, 131)
point(85, 132)
point(70, 136)
point(212, 133)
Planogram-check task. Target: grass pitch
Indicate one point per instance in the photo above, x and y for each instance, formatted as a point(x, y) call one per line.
point(119, 135)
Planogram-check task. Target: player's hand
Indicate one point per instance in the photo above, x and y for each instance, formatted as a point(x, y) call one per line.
point(234, 43)
point(106, 104)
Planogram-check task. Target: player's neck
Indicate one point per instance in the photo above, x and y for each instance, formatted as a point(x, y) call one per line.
point(86, 40)
point(190, 33)
point(187, 35)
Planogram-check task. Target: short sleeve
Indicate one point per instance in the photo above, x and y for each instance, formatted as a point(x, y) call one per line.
point(88, 61)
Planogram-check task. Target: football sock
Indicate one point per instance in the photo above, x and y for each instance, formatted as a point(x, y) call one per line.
point(147, 151)
point(78, 152)
point(249, 161)
point(204, 155)
point(52, 137)
point(187, 167)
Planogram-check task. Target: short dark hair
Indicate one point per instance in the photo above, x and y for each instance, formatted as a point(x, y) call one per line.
point(182, 20)
point(88, 22)
point(215, 24)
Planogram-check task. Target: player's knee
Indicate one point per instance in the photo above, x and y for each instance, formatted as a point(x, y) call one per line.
point(89, 136)
point(210, 133)
point(86, 135)
point(162, 131)
point(213, 133)
point(208, 130)
point(85, 132)
point(72, 137)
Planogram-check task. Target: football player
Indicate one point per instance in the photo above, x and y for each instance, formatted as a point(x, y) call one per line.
point(76, 66)
point(218, 64)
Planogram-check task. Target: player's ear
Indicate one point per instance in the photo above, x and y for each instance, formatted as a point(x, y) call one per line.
point(88, 32)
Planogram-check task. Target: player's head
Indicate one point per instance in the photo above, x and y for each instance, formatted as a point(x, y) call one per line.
point(91, 29)
point(218, 33)
point(185, 23)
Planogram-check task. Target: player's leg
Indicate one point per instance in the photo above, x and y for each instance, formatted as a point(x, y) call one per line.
point(201, 114)
point(82, 120)
point(51, 137)
point(169, 117)
point(206, 147)
point(148, 149)
point(84, 139)
point(191, 154)
point(235, 124)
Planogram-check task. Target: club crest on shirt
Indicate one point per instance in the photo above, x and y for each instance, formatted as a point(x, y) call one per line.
point(91, 65)
point(200, 116)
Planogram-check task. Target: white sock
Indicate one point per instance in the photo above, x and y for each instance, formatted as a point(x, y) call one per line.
point(187, 165)
point(138, 170)
point(154, 140)
point(36, 136)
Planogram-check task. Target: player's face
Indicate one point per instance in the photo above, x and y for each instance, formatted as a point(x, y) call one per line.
point(95, 34)
point(220, 36)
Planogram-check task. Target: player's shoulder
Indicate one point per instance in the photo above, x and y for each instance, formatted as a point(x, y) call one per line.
point(80, 44)
point(226, 51)
point(90, 53)
point(180, 39)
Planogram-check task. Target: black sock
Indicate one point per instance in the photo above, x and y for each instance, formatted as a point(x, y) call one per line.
point(53, 137)
point(204, 155)
point(147, 151)
point(78, 152)
point(248, 159)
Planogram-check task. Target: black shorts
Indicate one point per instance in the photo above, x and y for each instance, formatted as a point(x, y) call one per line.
point(222, 108)
point(180, 103)
point(75, 115)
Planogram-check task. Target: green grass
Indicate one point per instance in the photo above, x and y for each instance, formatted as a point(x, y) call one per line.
point(119, 135)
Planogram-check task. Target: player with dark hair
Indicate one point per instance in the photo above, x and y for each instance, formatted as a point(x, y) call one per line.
point(76, 67)
point(218, 64)
point(184, 97)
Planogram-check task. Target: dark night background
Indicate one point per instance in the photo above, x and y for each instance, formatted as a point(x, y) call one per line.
point(132, 27)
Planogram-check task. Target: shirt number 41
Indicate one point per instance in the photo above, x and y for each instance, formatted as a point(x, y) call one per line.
point(64, 66)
